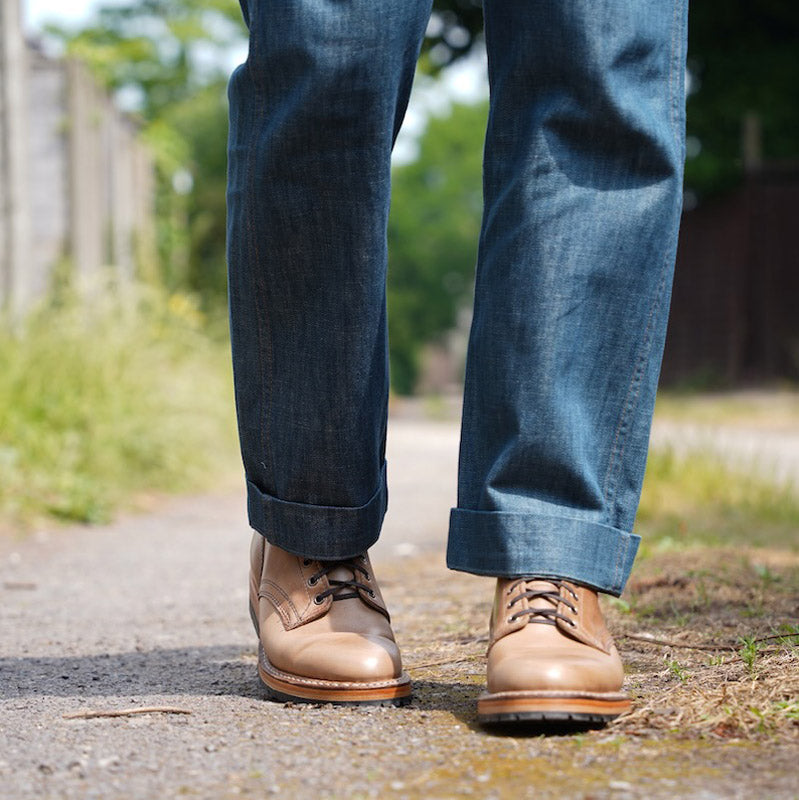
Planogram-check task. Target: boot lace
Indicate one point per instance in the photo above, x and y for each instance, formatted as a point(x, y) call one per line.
point(337, 588)
point(543, 615)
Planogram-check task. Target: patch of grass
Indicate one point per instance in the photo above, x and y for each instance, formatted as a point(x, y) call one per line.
point(108, 395)
point(729, 645)
point(697, 499)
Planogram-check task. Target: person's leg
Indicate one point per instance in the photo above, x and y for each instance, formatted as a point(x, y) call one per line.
point(313, 115)
point(582, 181)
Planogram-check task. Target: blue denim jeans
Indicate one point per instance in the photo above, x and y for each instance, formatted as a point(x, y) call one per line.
point(583, 188)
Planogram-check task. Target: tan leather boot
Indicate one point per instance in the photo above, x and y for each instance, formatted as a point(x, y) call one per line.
point(550, 656)
point(324, 631)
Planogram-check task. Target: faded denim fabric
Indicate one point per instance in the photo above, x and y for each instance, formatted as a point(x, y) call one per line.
point(583, 189)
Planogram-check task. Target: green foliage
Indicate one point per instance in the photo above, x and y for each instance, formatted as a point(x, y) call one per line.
point(678, 671)
point(170, 59)
point(748, 652)
point(742, 59)
point(433, 232)
point(100, 398)
point(201, 120)
point(455, 27)
point(161, 51)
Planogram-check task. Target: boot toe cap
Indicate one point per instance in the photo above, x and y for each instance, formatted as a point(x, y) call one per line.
point(348, 657)
point(551, 671)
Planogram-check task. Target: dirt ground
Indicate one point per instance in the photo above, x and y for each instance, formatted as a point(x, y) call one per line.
point(150, 612)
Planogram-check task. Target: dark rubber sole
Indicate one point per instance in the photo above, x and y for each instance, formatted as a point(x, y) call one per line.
point(552, 708)
point(280, 697)
point(556, 717)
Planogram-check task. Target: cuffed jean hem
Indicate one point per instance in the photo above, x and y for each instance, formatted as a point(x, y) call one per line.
point(323, 533)
point(507, 544)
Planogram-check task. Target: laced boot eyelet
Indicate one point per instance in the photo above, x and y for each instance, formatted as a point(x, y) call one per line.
point(312, 581)
point(370, 592)
point(318, 600)
point(306, 562)
point(367, 576)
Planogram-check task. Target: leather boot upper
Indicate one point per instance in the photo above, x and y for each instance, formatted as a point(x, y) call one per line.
point(306, 631)
point(549, 635)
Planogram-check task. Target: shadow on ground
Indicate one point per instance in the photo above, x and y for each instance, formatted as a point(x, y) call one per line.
point(223, 670)
point(218, 670)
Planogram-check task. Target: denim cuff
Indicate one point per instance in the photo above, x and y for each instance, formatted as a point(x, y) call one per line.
point(507, 544)
point(320, 532)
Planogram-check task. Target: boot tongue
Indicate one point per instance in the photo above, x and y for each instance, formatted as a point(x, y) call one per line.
point(340, 573)
point(346, 574)
point(542, 585)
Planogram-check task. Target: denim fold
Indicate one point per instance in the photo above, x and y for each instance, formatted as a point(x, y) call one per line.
point(317, 531)
point(508, 544)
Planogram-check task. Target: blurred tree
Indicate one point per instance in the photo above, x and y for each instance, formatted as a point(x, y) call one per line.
point(168, 60)
point(201, 120)
point(455, 27)
point(156, 53)
point(743, 62)
point(433, 231)
point(743, 59)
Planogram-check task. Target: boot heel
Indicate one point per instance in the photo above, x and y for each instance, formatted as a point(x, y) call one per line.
point(254, 619)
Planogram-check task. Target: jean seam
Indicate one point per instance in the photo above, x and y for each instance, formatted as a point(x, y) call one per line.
point(621, 559)
point(633, 391)
point(676, 90)
point(265, 338)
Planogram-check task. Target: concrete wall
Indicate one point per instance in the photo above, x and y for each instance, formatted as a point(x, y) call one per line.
point(75, 181)
point(47, 169)
point(14, 202)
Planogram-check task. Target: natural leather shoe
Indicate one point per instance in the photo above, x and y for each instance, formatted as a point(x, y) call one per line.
point(324, 631)
point(550, 656)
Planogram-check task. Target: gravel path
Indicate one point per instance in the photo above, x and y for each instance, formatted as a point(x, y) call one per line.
point(151, 611)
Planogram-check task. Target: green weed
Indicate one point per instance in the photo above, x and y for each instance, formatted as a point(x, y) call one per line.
point(748, 652)
point(678, 671)
point(107, 395)
point(788, 708)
